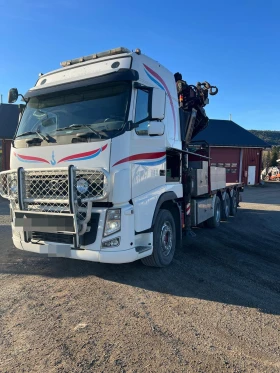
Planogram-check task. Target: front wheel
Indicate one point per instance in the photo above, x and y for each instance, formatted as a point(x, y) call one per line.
point(164, 241)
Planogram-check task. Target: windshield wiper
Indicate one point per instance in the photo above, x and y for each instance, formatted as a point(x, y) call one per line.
point(42, 137)
point(73, 126)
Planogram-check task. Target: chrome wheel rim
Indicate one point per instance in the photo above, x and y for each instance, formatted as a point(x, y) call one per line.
point(166, 238)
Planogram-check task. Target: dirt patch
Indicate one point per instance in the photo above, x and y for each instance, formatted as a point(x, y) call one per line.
point(215, 309)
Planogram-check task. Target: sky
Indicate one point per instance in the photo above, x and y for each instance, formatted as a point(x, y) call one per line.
point(232, 44)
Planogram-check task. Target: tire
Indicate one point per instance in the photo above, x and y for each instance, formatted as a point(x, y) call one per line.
point(215, 221)
point(277, 179)
point(266, 178)
point(164, 241)
point(225, 208)
point(233, 204)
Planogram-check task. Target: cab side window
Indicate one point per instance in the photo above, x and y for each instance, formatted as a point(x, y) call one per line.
point(142, 112)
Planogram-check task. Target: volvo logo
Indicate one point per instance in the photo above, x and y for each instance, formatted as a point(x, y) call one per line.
point(53, 184)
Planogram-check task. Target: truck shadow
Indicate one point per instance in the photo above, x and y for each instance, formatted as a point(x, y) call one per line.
point(237, 264)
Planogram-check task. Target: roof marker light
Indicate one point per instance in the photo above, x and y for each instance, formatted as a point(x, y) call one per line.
point(107, 53)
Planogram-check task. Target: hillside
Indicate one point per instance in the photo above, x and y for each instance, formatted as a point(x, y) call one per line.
point(271, 137)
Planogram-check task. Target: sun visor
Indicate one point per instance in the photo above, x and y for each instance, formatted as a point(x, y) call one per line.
point(120, 75)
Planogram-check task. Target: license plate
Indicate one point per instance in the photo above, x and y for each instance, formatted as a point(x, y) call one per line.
point(44, 222)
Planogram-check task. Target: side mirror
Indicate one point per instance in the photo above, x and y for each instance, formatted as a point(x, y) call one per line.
point(12, 95)
point(156, 129)
point(158, 104)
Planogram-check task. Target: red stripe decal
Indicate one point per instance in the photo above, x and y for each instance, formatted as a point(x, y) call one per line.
point(136, 157)
point(81, 155)
point(29, 158)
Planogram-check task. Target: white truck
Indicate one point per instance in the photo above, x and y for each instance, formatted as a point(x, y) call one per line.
point(102, 165)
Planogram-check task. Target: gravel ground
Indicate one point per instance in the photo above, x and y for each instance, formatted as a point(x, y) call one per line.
point(215, 309)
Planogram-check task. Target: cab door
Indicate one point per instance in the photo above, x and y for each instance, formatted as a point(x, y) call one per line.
point(148, 153)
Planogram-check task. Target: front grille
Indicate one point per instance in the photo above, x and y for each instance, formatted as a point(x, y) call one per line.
point(38, 237)
point(49, 184)
point(8, 185)
point(57, 207)
point(57, 191)
point(97, 185)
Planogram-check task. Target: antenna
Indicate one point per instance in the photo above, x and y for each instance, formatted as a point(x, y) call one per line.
point(230, 117)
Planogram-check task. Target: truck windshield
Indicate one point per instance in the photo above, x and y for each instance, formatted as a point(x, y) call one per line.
point(100, 109)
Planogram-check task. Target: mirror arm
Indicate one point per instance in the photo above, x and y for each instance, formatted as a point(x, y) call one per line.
point(141, 86)
point(23, 98)
point(131, 125)
point(156, 120)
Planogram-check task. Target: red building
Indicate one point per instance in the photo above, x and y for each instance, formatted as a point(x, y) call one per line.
point(234, 148)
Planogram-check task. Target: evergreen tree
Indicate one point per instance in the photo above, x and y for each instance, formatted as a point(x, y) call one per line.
point(264, 161)
point(268, 159)
point(274, 157)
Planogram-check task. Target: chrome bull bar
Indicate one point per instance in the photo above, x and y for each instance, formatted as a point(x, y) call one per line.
point(64, 190)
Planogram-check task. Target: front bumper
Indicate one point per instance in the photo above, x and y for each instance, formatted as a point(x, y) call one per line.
point(65, 251)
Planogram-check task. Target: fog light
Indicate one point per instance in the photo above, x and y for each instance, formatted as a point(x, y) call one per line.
point(112, 243)
point(13, 186)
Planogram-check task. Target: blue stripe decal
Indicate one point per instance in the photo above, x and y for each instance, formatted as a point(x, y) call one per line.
point(84, 158)
point(25, 160)
point(155, 163)
point(154, 80)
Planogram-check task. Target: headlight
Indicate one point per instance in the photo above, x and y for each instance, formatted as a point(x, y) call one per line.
point(13, 186)
point(82, 186)
point(113, 222)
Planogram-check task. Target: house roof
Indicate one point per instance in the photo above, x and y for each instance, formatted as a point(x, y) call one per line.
point(228, 133)
point(8, 120)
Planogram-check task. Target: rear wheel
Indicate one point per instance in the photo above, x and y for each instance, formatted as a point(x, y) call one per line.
point(233, 203)
point(277, 179)
point(215, 221)
point(164, 241)
point(225, 208)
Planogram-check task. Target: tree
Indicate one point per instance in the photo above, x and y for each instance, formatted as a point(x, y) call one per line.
point(268, 159)
point(264, 160)
point(274, 156)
